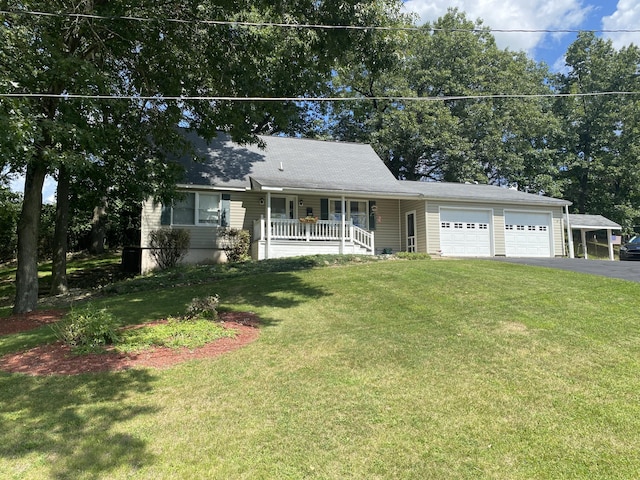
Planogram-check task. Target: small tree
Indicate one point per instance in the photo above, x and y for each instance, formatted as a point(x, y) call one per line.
point(168, 246)
point(236, 244)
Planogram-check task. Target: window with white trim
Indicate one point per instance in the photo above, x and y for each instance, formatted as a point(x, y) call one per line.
point(196, 209)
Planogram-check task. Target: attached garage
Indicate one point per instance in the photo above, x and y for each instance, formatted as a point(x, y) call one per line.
point(527, 234)
point(465, 232)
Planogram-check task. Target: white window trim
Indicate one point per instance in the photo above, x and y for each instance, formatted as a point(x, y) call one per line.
point(196, 211)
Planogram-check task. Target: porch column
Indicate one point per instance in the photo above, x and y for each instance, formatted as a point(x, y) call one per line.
point(266, 254)
point(343, 218)
point(572, 253)
point(610, 243)
point(583, 237)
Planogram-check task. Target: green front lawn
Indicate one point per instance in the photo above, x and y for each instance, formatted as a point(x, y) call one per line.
point(395, 369)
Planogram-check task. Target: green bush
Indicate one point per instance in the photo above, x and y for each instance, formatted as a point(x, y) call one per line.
point(87, 328)
point(168, 246)
point(413, 256)
point(203, 308)
point(236, 244)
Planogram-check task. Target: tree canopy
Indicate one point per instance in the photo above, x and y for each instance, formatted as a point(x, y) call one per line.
point(122, 145)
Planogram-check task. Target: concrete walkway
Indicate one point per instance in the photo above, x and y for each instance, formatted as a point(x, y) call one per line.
point(616, 269)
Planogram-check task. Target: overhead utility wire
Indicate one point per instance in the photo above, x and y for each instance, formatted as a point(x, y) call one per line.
point(307, 25)
point(161, 98)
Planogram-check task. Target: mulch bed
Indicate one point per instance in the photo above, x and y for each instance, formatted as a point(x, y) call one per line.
point(57, 359)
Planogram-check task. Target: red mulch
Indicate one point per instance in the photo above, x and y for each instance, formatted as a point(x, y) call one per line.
point(57, 359)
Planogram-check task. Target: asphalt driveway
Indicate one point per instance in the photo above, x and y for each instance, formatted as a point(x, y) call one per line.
point(605, 268)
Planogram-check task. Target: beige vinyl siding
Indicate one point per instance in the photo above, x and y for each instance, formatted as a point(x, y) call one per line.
point(498, 232)
point(386, 232)
point(421, 224)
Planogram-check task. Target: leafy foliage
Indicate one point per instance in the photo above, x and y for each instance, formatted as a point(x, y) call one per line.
point(168, 246)
point(413, 256)
point(236, 243)
point(172, 334)
point(10, 204)
point(86, 329)
point(599, 143)
point(203, 308)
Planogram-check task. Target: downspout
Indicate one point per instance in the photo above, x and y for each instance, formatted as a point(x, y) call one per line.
point(569, 234)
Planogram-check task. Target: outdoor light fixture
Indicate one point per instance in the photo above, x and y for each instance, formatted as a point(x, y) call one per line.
point(262, 201)
point(300, 203)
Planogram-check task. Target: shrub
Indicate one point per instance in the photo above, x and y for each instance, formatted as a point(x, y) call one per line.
point(168, 247)
point(205, 308)
point(87, 329)
point(413, 256)
point(236, 244)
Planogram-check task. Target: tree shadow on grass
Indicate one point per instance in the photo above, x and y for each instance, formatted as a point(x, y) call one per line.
point(70, 423)
point(279, 290)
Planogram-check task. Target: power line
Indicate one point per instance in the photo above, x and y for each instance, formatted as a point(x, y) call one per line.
point(214, 98)
point(306, 25)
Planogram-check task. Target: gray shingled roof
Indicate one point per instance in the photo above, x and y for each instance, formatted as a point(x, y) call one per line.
point(481, 193)
point(592, 221)
point(290, 163)
point(303, 164)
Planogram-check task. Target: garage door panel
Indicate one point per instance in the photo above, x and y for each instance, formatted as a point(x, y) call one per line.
point(527, 234)
point(465, 232)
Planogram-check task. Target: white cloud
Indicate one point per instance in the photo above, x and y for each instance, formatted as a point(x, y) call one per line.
point(627, 16)
point(511, 15)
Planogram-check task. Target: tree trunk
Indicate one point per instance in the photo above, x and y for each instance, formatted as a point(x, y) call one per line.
point(59, 267)
point(27, 271)
point(98, 232)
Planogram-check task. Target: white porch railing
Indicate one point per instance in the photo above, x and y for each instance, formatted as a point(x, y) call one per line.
point(294, 230)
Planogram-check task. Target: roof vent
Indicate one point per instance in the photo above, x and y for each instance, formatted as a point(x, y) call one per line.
point(281, 168)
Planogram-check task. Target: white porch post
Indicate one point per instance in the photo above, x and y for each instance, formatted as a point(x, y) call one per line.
point(343, 218)
point(572, 253)
point(583, 237)
point(266, 254)
point(610, 243)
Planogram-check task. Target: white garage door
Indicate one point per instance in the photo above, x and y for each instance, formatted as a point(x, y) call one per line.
point(465, 233)
point(527, 234)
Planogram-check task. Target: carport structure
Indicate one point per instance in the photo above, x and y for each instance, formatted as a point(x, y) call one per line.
point(591, 223)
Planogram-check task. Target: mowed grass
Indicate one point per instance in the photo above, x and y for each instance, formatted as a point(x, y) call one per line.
point(398, 369)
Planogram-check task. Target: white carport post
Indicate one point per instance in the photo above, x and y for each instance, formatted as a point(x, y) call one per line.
point(572, 253)
point(266, 254)
point(583, 238)
point(343, 220)
point(610, 243)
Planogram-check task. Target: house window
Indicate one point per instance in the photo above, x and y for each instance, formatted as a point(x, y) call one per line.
point(357, 211)
point(446, 225)
point(508, 227)
point(457, 225)
point(483, 226)
point(197, 209)
point(471, 226)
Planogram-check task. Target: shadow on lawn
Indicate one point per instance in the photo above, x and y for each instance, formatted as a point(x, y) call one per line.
point(71, 423)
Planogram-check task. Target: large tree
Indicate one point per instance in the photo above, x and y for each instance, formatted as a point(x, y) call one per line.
point(102, 53)
point(503, 140)
point(600, 141)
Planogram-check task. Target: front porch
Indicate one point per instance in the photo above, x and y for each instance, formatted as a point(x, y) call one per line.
point(292, 238)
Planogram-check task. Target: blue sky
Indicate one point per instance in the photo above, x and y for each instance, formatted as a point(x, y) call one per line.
point(542, 15)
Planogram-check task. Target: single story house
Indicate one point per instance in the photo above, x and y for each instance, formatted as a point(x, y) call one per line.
point(299, 196)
